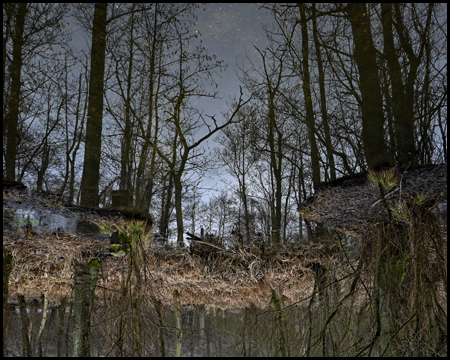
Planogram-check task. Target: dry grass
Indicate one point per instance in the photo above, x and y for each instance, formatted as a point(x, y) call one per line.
point(45, 262)
point(232, 279)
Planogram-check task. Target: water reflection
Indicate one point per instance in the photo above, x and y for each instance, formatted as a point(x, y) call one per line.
point(48, 221)
point(207, 331)
point(301, 330)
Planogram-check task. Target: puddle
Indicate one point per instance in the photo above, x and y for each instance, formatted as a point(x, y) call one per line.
point(48, 221)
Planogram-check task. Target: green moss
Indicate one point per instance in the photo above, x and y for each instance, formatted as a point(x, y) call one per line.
point(114, 247)
point(420, 199)
point(120, 253)
point(125, 234)
point(26, 223)
point(385, 178)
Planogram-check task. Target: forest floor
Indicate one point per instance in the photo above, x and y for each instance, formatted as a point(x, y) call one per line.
point(47, 235)
point(353, 203)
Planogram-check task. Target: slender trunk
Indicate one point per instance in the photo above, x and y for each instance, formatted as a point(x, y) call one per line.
point(275, 166)
point(287, 202)
point(125, 163)
point(178, 207)
point(153, 104)
point(68, 147)
point(62, 320)
point(377, 289)
point(26, 341)
point(137, 324)
point(9, 11)
point(140, 172)
point(157, 305)
point(44, 165)
point(246, 210)
point(202, 332)
point(389, 116)
point(178, 323)
point(443, 133)
point(8, 264)
point(308, 100)
point(405, 127)
point(151, 111)
point(12, 117)
point(182, 162)
point(279, 188)
point(323, 101)
point(43, 320)
point(151, 180)
point(77, 139)
point(281, 339)
point(166, 207)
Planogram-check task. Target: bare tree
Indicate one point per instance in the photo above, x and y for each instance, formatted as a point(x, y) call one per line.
point(12, 116)
point(240, 157)
point(186, 148)
point(27, 67)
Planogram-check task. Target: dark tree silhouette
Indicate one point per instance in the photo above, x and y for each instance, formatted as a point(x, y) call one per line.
point(91, 169)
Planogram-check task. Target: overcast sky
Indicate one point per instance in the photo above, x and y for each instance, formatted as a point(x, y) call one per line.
point(230, 31)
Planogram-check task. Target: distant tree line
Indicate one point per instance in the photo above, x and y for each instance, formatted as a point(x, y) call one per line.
point(340, 89)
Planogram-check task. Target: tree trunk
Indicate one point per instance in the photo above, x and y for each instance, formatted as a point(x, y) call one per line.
point(323, 99)
point(62, 321)
point(152, 99)
point(12, 117)
point(246, 210)
point(405, 126)
point(154, 87)
point(178, 323)
point(275, 166)
point(395, 76)
point(308, 100)
point(26, 341)
point(279, 324)
point(178, 207)
point(8, 264)
point(8, 10)
point(165, 207)
point(77, 139)
point(44, 303)
point(202, 332)
point(371, 101)
point(85, 282)
point(157, 305)
point(125, 163)
point(91, 168)
point(44, 166)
